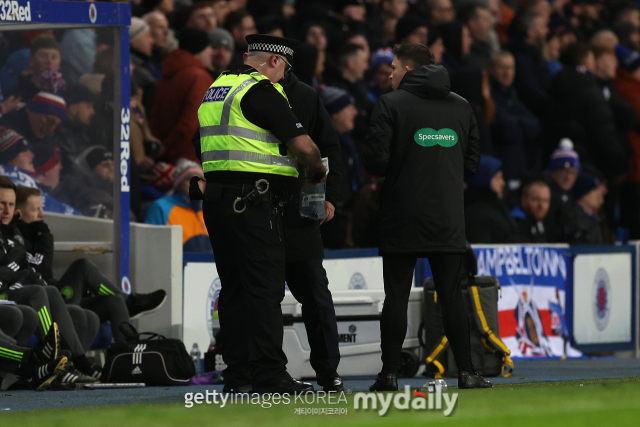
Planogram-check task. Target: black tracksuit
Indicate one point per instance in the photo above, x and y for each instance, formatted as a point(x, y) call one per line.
point(423, 139)
point(306, 278)
point(82, 284)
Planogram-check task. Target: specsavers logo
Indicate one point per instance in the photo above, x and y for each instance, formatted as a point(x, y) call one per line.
point(10, 10)
point(428, 137)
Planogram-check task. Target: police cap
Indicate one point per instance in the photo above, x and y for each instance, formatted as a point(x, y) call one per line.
point(272, 44)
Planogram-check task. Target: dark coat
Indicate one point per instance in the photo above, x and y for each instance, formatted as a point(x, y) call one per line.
point(529, 230)
point(581, 113)
point(532, 77)
point(583, 229)
point(303, 241)
point(422, 199)
point(487, 218)
point(623, 113)
point(38, 242)
point(513, 129)
point(559, 210)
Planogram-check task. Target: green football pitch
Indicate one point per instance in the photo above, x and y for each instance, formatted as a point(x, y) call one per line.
point(608, 402)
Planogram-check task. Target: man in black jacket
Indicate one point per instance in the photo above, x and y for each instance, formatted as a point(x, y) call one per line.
point(306, 278)
point(531, 212)
point(422, 139)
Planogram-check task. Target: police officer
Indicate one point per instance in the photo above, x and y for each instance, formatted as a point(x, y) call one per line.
point(250, 141)
point(306, 278)
point(422, 139)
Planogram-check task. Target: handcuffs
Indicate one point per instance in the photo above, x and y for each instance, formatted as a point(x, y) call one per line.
point(261, 187)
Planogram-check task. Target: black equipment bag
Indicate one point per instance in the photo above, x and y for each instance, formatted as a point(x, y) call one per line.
point(154, 360)
point(489, 355)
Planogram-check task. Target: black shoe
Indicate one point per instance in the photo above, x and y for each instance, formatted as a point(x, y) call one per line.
point(139, 304)
point(467, 379)
point(330, 381)
point(95, 373)
point(48, 348)
point(237, 389)
point(45, 374)
point(385, 382)
point(72, 376)
point(285, 385)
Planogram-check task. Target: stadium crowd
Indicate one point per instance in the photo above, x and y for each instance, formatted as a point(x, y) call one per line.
point(554, 85)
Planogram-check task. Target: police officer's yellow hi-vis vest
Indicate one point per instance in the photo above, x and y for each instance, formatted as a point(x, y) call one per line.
point(230, 142)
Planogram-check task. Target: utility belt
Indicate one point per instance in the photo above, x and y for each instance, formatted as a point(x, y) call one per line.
point(245, 195)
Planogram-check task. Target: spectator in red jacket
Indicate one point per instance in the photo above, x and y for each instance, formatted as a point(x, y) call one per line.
point(185, 79)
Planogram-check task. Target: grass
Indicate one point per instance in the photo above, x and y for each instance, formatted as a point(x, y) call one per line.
point(606, 402)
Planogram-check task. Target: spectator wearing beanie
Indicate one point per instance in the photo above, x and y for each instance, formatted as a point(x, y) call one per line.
point(72, 136)
point(48, 164)
point(583, 227)
point(561, 175)
point(223, 47)
point(39, 119)
point(178, 209)
point(380, 70)
point(487, 219)
point(15, 150)
point(144, 72)
point(89, 188)
point(185, 79)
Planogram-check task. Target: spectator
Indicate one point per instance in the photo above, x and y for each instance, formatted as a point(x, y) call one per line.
point(581, 112)
point(628, 13)
point(412, 30)
point(178, 209)
point(89, 189)
point(515, 128)
point(628, 35)
point(104, 65)
point(503, 16)
point(78, 52)
point(144, 73)
point(202, 16)
point(38, 121)
point(605, 38)
point(532, 76)
point(436, 44)
point(313, 33)
point(355, 10)
point(359, 39)
point(392, 12)
point(440, 12)
point(47, 164)
point(605, 69)
point(551, 54)
point(44, 56)
point(562, 173)
point(221, 10)
point(480, 23)
point(185, 79)
point(380, 69)
point(145, 147)
point(587, 12)
point(72, 136)
point(584, 225)
point(15, 150)
point(457, 41)
point(487, 219)
point(223, 47)
point(353, 64)
point(240, 24)
point(531, 212)
point(340, 107)
point(159, 26)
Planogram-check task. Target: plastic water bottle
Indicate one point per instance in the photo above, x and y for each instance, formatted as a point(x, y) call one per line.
point(195, 356)
point(312, 197)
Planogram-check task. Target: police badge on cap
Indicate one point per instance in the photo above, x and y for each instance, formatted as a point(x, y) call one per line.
point(272, 44)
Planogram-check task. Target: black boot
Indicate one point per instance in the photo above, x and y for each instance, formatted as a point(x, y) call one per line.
point(385, 382)
point(472, 379)
point(330, 381)
point(284, 384)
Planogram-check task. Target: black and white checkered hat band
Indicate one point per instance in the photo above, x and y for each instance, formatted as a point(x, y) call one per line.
point(271, 48)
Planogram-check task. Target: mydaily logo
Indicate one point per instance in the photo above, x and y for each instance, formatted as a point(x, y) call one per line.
point(404, 400)
point(428, 137)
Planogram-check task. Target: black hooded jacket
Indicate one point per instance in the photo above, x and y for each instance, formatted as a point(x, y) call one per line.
point(423, 138)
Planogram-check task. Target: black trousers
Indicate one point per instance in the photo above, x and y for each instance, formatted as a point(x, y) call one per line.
point(86, 323)
point(307, 281)
point(19, 322)
point(398, 273)
point(250, 258)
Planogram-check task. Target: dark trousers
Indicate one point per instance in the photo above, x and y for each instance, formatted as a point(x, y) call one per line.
point(19, 322)
point(250, 259)
point(398, 273)
point(84, 284)
point(86, 323)
point(307, 281)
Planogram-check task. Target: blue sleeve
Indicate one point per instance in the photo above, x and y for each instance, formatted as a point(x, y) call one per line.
point(155, 215)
